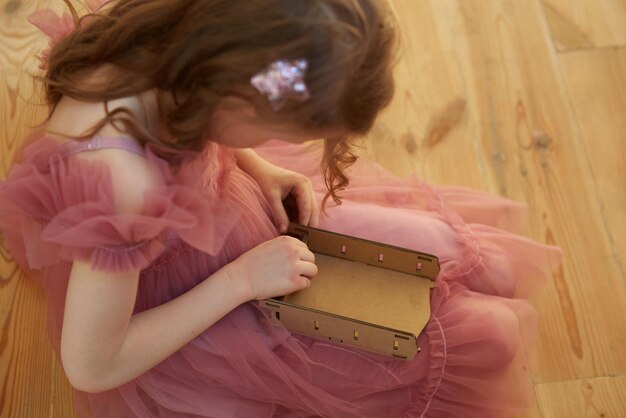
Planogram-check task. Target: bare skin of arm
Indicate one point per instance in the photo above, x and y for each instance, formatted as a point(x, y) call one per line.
point(103, 346)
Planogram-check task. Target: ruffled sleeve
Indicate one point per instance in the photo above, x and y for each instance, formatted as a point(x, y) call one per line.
point(57, 209)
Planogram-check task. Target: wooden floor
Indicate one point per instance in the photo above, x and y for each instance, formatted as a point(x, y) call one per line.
point(522, 98)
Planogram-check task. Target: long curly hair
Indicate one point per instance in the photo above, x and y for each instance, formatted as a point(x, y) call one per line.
point(203, 50)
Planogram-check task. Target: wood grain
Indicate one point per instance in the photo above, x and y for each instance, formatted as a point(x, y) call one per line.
point(32, 383)
point(584, 24)
point(428, 124)
point(597, 86)
point(519, 139)
point(19, 40)
point(601, 397)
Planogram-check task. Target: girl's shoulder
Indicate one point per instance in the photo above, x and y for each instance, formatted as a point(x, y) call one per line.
point(74, 118)
point(103, 206)
point(131, 173)
point(107, 199)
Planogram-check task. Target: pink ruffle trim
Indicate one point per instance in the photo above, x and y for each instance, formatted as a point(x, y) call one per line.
point(54, 208)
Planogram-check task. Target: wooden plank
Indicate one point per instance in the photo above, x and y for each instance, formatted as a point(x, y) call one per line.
point(32, 382)
point(428, 121)
point(25, 356)
point(19, 40)
point(516, 137)
point(577, 24)
point(525, 99)
point(23, 108)
point(62, 403)
point(600, 397)
point(596, 83)
point(534, 411)
point(29, 374)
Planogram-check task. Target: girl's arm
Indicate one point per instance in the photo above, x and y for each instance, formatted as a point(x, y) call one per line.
point(103, 346)
point(249, 161)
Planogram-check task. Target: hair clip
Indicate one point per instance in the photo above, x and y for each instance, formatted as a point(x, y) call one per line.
point(282, 79)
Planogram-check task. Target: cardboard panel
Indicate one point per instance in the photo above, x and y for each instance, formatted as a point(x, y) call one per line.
point(343, 330)
point(370, 294)
point(368, 252)
point(366, 294)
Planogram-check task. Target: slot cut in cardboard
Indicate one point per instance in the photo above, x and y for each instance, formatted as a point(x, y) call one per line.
point(366, 294)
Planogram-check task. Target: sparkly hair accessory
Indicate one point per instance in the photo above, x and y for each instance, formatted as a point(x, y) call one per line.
point(282, 79)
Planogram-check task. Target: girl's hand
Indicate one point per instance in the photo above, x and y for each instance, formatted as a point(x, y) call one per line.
point(277, 183)
point(276, 267)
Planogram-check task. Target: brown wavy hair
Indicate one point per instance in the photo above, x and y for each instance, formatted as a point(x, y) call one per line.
point(203, 50)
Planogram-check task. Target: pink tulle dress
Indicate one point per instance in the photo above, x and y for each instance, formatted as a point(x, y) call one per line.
point(56, 207)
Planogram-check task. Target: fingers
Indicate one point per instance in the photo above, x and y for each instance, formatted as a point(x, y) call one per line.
point(306, 254)
point(304, 204)
point(280, 214)
point(305, 266)
point(307, 206)
point(306, 282)
point(297, 242)
point(315, 215)
point(307, 269)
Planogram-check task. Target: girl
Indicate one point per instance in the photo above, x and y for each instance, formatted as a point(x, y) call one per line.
point(157, 227)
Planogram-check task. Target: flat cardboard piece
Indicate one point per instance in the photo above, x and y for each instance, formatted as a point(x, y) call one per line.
point(366, 294)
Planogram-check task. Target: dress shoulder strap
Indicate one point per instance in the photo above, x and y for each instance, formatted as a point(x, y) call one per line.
point(101, 142)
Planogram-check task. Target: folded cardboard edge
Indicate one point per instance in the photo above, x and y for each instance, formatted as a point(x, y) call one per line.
point(419, 264)
point(344, 330)
point(373, 253)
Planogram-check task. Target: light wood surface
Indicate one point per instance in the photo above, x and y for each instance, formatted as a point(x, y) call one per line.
point(586, 24)
point(591, 77)
point(521, 98)
point(598, 397)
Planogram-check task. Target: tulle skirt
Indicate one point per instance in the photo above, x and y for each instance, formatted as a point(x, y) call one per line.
point(474, 358)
